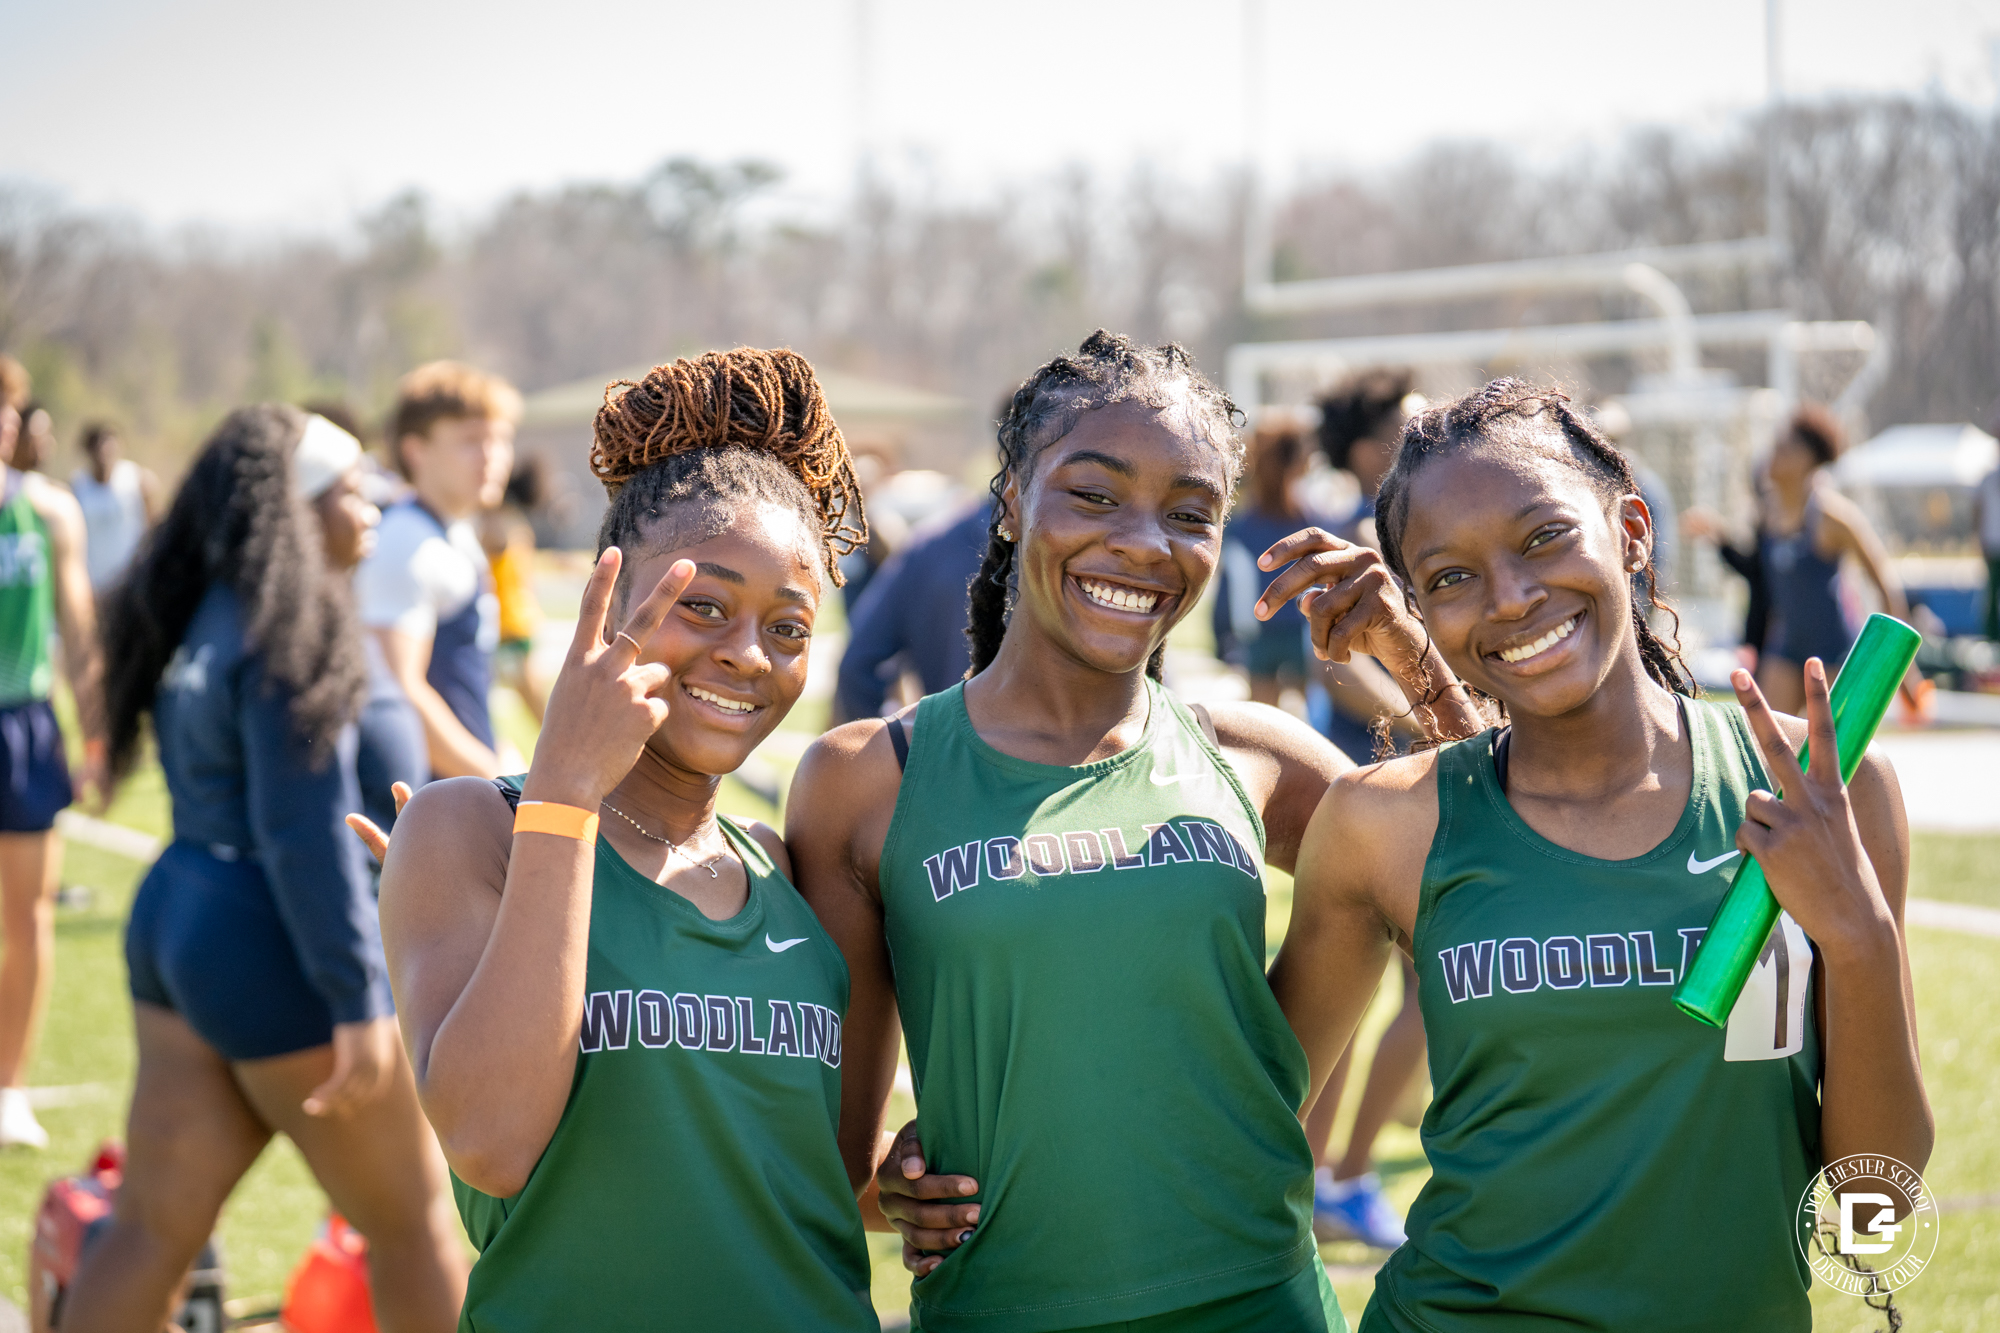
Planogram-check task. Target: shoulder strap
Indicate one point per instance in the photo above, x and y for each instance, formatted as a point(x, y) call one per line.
point(1206, 722)
point(899, 741)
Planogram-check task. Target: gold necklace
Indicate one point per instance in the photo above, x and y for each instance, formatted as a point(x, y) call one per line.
point(671, 846)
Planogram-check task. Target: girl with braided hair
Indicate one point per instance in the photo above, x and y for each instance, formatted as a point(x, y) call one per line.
point(1552, 877)
point(1065, 864)
point(628, 1035)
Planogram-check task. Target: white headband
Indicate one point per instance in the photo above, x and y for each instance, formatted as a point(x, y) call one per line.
point(326, 453)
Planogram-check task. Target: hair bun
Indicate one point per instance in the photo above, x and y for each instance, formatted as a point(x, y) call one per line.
point(767, 400)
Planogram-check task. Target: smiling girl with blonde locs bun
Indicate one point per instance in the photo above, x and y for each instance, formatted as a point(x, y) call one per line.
point(630, 1045)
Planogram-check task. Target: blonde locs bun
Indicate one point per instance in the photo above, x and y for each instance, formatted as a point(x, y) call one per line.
point(764, 400)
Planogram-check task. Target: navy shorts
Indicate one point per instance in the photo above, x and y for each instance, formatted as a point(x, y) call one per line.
point(205, 940)
point(34, 775)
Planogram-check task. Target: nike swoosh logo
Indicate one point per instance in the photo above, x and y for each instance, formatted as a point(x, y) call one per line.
point(779, 946)
point(1168, 780)
point(1696, 866)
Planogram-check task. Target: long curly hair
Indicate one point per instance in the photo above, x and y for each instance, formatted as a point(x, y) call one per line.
point(1509, 414)
point(1108, 368)
point(236, 521)
point(746, 423)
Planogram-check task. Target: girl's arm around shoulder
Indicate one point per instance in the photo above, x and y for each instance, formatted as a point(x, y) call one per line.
point(1284, 766)
point(1354, 896)
point(836, 820)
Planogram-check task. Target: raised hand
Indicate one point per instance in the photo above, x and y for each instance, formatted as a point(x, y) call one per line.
point(906, 1192)
point(1808, 842)
point(1349, 595)
point(1356, 605)
point(606, 703)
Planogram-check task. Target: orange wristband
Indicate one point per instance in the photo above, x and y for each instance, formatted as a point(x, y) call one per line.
point(564, 821)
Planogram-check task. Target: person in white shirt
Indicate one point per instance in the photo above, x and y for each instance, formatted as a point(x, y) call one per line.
point(426, 594)
point(119, 499)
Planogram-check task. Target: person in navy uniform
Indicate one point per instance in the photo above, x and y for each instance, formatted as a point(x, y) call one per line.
point(260, 995)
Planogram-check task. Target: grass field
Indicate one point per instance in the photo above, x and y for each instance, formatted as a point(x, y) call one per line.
point(87, 1050)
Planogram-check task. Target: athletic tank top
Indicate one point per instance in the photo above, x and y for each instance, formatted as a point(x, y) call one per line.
point(1079, 961)
point(1599, 1159)
point(1805, 595)
point(694, 1180)
point(27, 597)
point(114, 519)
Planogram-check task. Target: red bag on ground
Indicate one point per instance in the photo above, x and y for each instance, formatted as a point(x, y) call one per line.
point(329, 1289)
point(75, 1209)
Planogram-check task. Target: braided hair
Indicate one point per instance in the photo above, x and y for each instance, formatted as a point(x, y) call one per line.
point(1107, 368)
point(1510, 414)
point(235, 521)
point(680, 449)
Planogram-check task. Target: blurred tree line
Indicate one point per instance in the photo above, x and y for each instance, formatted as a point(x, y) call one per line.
point(1892, 205)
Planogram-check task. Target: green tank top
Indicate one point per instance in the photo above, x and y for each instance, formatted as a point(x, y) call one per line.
point(27, 598)
point(694, 1180)
point(1079, 961)
point(1600, 1160)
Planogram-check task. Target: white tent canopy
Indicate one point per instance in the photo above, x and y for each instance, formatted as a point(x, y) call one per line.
point(1933, 455)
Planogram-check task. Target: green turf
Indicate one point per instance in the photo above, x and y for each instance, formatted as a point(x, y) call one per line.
point(1960, 868)
point(88, 1044)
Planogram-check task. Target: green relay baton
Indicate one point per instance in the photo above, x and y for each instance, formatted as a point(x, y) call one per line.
point(1861, 697)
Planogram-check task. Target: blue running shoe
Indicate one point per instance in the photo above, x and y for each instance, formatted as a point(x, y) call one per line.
point(1355, 1210)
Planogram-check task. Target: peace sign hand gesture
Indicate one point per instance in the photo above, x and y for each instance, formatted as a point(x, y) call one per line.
point(1809, 843)
point(606, 703)
point(1349, 595)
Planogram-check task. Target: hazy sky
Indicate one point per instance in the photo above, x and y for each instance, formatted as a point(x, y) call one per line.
point(264, 111)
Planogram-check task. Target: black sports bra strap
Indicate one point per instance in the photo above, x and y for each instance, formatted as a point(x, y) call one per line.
point(1207, 723)
point(899, 740)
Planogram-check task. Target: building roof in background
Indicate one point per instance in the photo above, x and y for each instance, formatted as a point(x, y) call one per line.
point(852, 397)
point(1957, 454)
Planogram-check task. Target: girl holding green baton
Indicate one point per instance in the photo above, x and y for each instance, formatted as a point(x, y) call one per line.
point(1600, 1160)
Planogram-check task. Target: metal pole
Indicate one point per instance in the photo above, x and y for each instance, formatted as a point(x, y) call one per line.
point(1257, 263)
point(1256, 225)
point(864, 90)
point(1776, 223)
